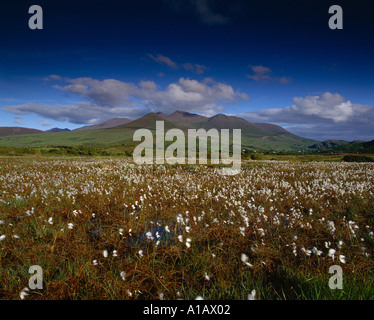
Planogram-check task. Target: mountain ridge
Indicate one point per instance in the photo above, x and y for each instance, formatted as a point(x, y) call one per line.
point(259, 137)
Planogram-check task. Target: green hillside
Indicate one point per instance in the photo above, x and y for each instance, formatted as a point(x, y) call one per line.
point(253, 137)
point(353, 147)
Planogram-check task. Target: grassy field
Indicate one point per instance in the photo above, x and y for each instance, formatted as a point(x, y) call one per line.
point(104, 228)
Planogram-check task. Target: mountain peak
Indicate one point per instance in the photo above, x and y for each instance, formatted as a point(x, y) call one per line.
point(185, 113)
point(58, 130)
point(221, 116)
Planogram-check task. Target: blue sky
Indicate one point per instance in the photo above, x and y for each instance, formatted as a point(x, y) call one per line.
point(265, 61)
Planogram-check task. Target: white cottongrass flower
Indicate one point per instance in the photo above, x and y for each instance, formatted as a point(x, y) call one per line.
point(2, 237)
point(2, 221)
point(213, 255)
point(188, 242)
point(23, 293)
point(50, 220)
point(180, 238)
point(149, 235)
point(307, 252)
point(252, 296)
point(115, 253)
point(199, 298)
point(188, 229)
point(206, 276)
point(331, 226)
point(167, 229)
point(340, 244)
point(332, 253)
point(316, 251)
point(16, 236)
point(140, 252)
point(120, 231)
point(94, 262)
point(123, 275)
point(245, 259)
point(342, 258)
point(70, 225)
point(161, 296)
point(105, 253)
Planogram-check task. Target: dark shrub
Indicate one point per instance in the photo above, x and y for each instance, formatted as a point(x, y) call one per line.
point(357, 158)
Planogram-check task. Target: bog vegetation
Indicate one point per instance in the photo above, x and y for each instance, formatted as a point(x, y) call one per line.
point(108, 229)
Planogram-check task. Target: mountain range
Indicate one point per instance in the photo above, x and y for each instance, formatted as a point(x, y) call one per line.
point(259, 137)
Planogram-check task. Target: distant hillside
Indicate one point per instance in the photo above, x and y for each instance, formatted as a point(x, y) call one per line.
point(57, 130)
point(106, 124)
point(352, 147)
point(328, 144)
point(11, 131)
point(260, 137)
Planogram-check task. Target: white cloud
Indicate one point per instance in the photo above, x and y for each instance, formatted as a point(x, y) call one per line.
point(110, 98)
point(78, 113)
point(205, 97)
point(328, 106)
point(328, 116)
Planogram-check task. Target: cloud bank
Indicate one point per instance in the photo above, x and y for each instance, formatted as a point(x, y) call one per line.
point(328, 116)
point(109, 98)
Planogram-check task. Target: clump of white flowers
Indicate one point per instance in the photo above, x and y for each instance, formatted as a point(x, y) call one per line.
point(123, 275)
point(252, 295)
point(23, 293)
point(245, 260)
